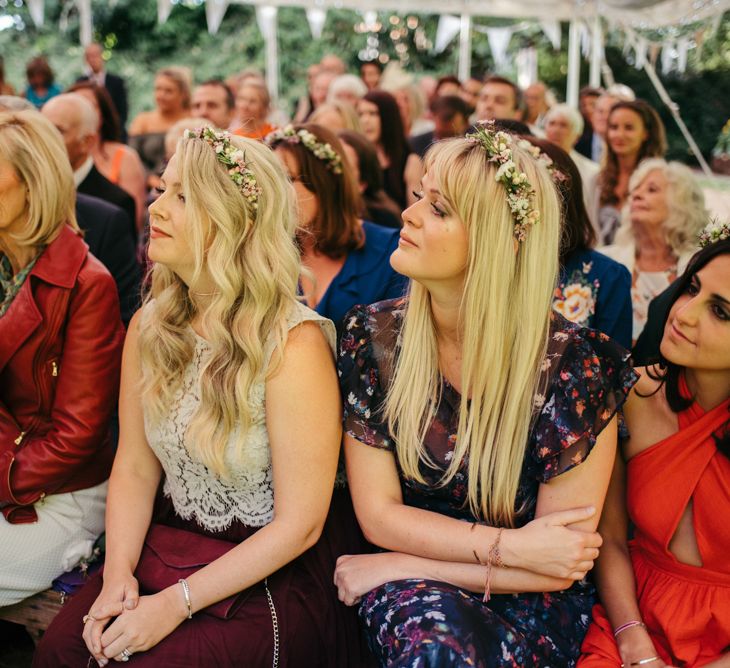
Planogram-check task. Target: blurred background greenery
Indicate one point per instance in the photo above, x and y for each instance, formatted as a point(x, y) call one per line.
point(137, 45)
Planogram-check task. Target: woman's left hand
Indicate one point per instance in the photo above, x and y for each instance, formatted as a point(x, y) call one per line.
point(154, 618)
point(355, 575)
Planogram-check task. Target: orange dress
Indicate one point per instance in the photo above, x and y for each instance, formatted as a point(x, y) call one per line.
point(256, 134)
point(686, 608)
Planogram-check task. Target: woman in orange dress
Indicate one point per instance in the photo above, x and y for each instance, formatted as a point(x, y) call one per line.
point(253, 105)
point(666, 594)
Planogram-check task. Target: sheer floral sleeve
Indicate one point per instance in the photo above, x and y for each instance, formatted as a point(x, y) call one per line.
point(365, 354)
point(590, 383)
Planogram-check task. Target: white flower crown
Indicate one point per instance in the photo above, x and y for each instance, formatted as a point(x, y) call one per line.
point(714, 231)
point(231, 157)
point(321, 150)
point(520, 193)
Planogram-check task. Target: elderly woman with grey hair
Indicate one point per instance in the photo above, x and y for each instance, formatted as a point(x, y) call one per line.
point(661, 220)
point(563, 127)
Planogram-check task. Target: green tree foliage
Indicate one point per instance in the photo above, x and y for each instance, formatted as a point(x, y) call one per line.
point(137, 45)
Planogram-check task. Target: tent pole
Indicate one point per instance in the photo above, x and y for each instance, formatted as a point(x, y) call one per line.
point(86, 27)
point(571, 94)
point(465, 48)
point(267, 16)
point(596, 52)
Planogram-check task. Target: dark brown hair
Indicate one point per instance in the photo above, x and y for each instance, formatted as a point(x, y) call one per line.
point(371, 173)
point(110, 129)
point(667, 373)
point(654, 146)
point(577, 231)
point(515, 88)
point(336, 228)
point(39, 65)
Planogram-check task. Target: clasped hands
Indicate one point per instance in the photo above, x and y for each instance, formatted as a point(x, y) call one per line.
point(545, 546)
point(141, 621)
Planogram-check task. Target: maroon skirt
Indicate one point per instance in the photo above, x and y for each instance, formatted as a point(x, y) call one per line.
point(315, 629)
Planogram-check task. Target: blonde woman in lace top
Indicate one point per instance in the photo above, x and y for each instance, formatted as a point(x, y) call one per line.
point(229, 397)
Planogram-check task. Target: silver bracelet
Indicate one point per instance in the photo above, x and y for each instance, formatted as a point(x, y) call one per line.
point(186, 591)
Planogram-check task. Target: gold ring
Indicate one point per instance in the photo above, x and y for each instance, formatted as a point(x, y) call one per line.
point(86, 618)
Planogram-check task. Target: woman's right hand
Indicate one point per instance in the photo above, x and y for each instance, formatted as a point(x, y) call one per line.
point(119, 593)
point(548, 546)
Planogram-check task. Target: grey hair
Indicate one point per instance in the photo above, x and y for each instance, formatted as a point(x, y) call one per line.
point(685, 202)
point(346, 83)
point(566, 111)
point(14, 103)
point(84, 114)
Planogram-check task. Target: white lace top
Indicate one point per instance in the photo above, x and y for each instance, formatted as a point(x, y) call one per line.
point(247, 496)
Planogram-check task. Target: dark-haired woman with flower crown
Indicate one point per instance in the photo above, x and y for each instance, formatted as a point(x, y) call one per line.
point(480, 427)
point(346, 258)
point(229, 397)
point(666, 594)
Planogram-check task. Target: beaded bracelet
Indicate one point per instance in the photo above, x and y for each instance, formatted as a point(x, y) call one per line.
point(628, 625)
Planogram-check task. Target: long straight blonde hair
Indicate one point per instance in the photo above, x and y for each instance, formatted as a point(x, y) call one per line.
point(253, 261)
point(504, 326)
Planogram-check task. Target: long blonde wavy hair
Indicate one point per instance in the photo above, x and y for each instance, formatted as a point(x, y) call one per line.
point(252, 260)
point(504, 326)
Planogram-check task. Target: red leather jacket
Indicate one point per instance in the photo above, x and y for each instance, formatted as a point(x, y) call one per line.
point(60, 355)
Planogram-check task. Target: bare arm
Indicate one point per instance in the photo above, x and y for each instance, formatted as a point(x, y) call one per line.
point(544, 546)
point(303, 422)
point(427, 556)
point(615, 574)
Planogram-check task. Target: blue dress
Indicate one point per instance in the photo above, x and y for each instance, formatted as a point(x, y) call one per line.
point(366, 277)
point(38, 101)
point(421, 623)
point(595, 291)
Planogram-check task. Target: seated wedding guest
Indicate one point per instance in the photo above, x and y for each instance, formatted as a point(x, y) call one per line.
point(447, 85)
point(563, 127)
point(451, 119)
point(148, 128)
point(370, 72)
point(480, 428)
point(380, 122)
point(113, 84)
point(635, 132)
point(593, 290)
point(75, 118)
point(599, 118)
point(664, 594)
point(411, 104)
point(213, 100)
point(347, 88)
point(41, 87)
point(253, 104)
point(228, 392)
point(665, 213)
point(60, 352)
point(346, 257)
point(106, 233)
point(116, 161)
point(470, 90)
point(499, 99)
point(336, 116)
point(587, 99)
point(363, 159)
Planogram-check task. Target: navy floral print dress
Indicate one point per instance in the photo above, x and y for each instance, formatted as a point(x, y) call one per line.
point(421, 623)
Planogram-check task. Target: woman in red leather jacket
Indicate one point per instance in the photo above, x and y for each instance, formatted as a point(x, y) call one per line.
point(60, 352)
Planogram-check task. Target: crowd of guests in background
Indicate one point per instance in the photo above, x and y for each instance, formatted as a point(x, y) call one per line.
point(486, 258)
